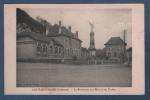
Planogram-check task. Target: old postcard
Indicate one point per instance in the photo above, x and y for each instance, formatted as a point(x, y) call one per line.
point(74, 49)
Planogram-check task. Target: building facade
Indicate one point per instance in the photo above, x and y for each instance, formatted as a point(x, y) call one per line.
point(84, 53)
point(38, 39)
point(35, 46)
point(115, 49)
point(69, 40)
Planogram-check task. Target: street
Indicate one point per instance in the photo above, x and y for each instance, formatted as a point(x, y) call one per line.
point(65, 75)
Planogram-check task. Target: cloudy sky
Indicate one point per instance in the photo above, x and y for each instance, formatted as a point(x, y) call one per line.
point(107, 22)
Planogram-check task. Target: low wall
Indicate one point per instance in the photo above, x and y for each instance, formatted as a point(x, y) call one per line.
point(39, 60)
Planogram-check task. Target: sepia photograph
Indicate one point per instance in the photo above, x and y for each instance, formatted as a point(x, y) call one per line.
point(77, 47)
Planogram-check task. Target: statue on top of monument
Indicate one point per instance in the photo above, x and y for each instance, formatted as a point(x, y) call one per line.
point(92, 26)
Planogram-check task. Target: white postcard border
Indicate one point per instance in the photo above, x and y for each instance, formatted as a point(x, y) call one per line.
point(138, 78)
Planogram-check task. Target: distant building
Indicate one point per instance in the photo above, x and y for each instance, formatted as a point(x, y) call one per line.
point(129, 56)
point(100, 53)
point(115, 49)
point(84, 53)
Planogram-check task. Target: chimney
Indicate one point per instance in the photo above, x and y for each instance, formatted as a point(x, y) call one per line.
point(59, 22)
point(69, 28)
point(59, 31)
point(45, 28)
point(76, 34)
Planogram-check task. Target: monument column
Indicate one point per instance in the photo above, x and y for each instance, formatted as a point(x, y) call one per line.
point(92, 50)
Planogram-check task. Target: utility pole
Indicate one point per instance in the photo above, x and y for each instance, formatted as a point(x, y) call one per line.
point(124, 46)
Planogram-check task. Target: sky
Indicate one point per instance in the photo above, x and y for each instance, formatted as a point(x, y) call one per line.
point(107, 22)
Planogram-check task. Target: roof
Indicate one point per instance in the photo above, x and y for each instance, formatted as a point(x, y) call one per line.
point(38, 37)
point(56, 42)
point(37, 27)
point(54, 31)
point(115, 41)
point(23, 17)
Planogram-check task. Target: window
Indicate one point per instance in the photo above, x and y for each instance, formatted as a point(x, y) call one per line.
point(39, 48)
point(70, 42)
point(44, 47)
point(51, 49)
point(71, 51)
point(110, 49)
point(109, 54)
point(59, 50)
point(68, 52)
point(56, 50)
